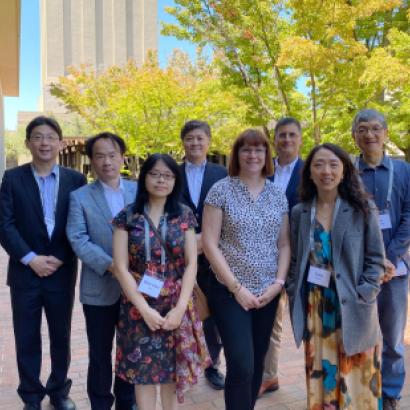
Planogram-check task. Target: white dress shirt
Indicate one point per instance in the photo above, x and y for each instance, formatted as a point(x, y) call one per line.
point(195, 176)
point(283, 174)
point(115, 197)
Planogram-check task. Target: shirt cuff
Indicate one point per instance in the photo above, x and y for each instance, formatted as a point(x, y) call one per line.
point(25, 260)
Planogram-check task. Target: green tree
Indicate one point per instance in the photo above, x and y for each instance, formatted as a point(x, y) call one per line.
point(343, 55)
point(148, 105)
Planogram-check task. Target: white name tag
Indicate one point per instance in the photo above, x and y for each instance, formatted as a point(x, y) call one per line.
point(319, 276)
point(150, 286)
point(384, 221)
point(401, 269)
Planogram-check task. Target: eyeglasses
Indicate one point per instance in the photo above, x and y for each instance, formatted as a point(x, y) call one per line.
point(167, 176)
point(47, 138)
point(362, 131)
point(249, 151)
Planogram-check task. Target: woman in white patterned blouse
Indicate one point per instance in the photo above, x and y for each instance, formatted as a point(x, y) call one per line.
point(246, 240)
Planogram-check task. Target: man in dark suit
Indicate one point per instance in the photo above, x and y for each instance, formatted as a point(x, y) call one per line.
point(288, 168)
point(198, 176)
point(42, 267)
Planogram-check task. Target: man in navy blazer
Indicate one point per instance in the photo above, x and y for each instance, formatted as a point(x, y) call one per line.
point(42, 267)
point(288, 168)
point(89, 230)
point(198, 176)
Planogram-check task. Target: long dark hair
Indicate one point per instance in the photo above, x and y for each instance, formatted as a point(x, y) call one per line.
point(172, 206)
point(350, 187)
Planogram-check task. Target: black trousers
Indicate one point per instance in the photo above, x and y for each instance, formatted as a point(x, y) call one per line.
point(100, 323)
point(245, 338)
point(212, 337)
point(27, 308)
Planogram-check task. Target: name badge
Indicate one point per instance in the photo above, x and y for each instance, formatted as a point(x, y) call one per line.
point(151, 286)
point(384, 220)
point(401, 269)
point(319, 276)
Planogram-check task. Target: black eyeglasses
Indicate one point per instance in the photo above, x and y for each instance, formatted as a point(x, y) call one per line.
point(167, 176)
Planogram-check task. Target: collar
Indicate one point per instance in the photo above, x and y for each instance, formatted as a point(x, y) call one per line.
point(289, 166)
point(110, 189)
point(190, 165)
point(54, 171)
point(385, 163)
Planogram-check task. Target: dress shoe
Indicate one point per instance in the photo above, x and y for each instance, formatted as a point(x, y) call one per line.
point(390, 404)
point(215, 378)
point(269, 386)
point(62, 403)
point(32, 406)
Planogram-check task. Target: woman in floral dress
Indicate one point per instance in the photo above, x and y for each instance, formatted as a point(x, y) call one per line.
point(333, 282)
point(159, 335)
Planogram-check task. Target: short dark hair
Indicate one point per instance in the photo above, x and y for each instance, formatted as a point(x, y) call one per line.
point(193, 125)
point(115, 139)
point(251, 136)
point(286, 121)
point(350, 187)
point(43, 120)
point(172, 206)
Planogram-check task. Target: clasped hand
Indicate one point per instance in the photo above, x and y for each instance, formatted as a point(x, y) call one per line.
point(155, 321)
point(45, 265)
point(249, 301)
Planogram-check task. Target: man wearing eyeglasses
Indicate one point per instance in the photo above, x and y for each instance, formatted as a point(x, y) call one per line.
point(89, 230)
point(387, 181)
point(42, 267)
point(198, 176)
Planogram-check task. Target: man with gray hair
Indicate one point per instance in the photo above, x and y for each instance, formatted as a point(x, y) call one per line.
point(387, 181)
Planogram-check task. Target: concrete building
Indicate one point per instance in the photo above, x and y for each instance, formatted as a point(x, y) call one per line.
point(9, 61)
point(99, 33)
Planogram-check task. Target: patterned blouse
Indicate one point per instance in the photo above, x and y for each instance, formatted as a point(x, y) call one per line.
point(250, 230)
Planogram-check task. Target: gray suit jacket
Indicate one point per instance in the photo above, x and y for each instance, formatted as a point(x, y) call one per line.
point(89, 231)
point(358, 255)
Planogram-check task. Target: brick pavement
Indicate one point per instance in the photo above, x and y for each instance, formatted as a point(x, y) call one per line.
point(291, 395)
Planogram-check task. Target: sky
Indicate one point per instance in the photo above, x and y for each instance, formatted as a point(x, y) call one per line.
point(30, 58)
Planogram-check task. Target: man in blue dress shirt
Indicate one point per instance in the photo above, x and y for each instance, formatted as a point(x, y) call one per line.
point(198, 176)
point(288, 167)
point(42, 268)
point(387, 181)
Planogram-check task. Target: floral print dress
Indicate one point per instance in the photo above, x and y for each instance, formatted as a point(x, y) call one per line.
point(159, 357)
point(334, 380)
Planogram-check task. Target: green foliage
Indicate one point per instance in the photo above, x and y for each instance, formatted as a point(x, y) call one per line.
point(14, 145)
point(148, 105)
point(343, 55)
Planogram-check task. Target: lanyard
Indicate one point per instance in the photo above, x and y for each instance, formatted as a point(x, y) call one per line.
point(312, 219)
point(148, 240)
point(390, 186)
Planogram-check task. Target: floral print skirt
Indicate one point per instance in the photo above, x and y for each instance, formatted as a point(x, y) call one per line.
point(161, 357)
point(334, 380)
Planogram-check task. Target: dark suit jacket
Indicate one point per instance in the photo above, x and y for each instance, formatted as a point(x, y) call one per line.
point(22, 228)
point(292, 193)
point(213, 173)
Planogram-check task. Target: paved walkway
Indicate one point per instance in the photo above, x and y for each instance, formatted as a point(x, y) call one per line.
point(291, 395)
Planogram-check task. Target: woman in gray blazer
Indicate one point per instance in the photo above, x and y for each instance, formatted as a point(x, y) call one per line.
point(334, 278)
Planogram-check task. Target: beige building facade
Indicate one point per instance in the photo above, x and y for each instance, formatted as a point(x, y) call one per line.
point(98, 33)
